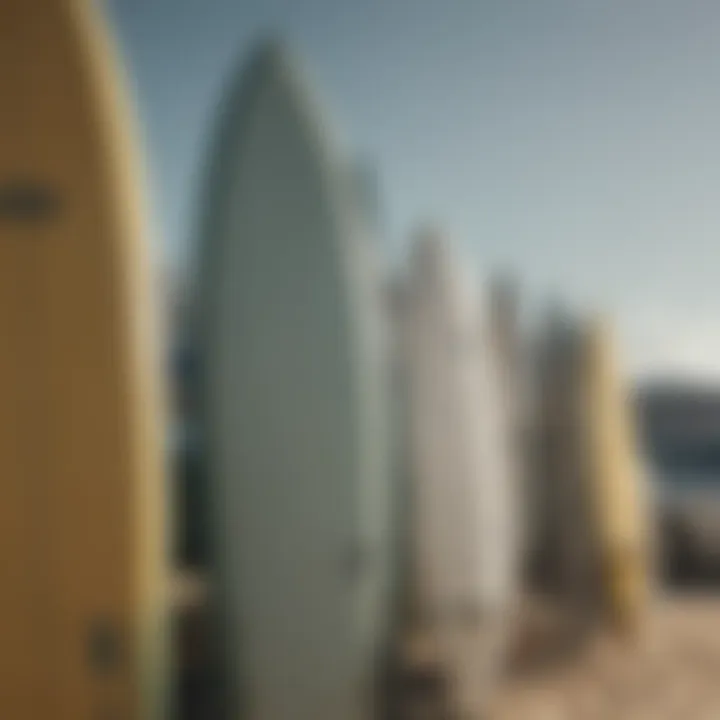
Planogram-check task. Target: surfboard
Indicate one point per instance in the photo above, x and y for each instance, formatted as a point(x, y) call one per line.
point(82, 529)
point(294, 404)
point(598, 543)
point(560, 498)
point(500, 312)
point(365, 179)
point(463, 549)
point(617, 480)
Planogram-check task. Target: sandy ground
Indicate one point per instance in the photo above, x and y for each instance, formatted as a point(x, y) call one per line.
point(672, 671)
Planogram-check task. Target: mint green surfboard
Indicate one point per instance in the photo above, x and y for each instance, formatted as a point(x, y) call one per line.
point(294, 414)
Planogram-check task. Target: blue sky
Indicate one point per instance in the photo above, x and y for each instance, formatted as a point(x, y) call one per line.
point(575, 141)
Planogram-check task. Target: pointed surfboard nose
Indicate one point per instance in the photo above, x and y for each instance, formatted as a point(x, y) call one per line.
point(431, 254)
point(272, 83)
point(272, 55)
point(272, 64)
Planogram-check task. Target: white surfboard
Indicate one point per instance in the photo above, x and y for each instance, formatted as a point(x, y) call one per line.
point(294, 406)
point(463, 548)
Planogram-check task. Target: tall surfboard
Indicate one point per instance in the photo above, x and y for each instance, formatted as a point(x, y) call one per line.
point(618, 483)
point(463, 523)
point(560, 497)
point(600, 551)
point(82, 531)
point(500, 310)
point(293, 405)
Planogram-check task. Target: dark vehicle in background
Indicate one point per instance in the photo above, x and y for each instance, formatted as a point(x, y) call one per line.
point(680, 429)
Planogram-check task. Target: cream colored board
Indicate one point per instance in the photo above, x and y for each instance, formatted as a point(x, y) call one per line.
point(82, 495)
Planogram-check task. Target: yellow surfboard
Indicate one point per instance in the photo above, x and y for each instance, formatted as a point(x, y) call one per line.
point(82, 535)
point(617, 481)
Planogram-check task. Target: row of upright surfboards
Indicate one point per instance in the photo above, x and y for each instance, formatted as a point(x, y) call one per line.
point(359, 450)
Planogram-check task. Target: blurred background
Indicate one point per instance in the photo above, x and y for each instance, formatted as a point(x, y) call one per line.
point(572, 144)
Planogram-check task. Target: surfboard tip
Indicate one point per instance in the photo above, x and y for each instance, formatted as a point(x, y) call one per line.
point(272, 50)
point(272, 56)
point(269, 61)
point(430, 245)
